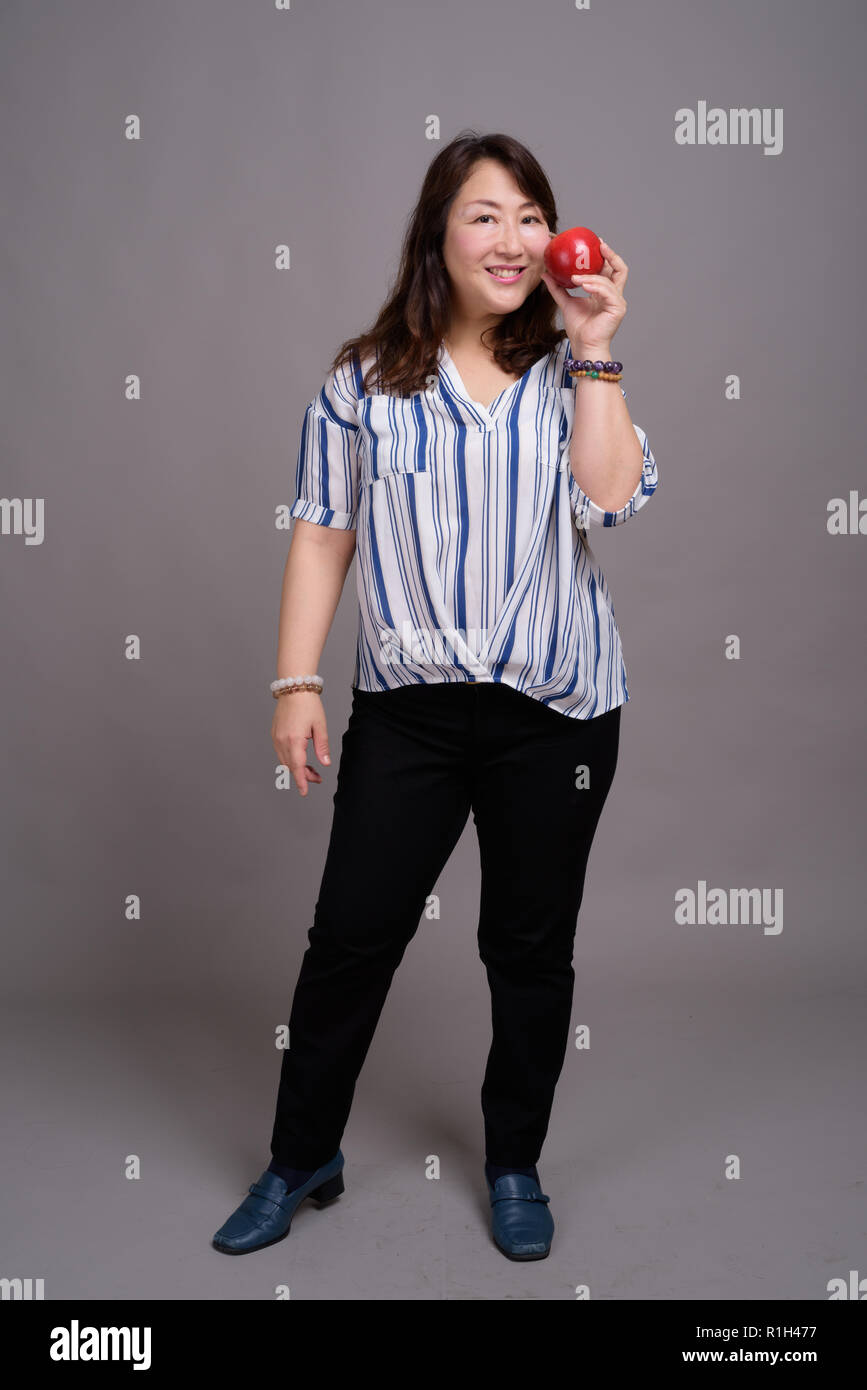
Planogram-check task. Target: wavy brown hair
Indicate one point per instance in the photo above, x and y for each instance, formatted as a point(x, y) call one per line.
point(412, 322)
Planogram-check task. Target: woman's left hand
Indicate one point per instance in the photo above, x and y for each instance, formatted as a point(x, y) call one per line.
point(591, 323)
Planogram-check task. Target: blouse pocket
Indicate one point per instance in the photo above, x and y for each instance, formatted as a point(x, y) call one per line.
point(394, 434)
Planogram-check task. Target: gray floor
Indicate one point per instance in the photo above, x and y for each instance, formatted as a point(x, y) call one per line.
point(634, 1162)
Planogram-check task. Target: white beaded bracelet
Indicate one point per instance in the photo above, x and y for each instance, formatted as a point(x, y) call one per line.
point(286, 684)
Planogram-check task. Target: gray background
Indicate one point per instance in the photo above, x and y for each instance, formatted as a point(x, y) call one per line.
point(156, 777)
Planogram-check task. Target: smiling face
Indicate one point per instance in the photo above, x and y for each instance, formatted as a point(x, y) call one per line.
point(493, 230)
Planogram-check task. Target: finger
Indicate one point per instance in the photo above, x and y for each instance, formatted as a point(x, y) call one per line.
point(607, 268)
point(598, 284)
point(620, 270)
point(304, 776)
point(299, 777)
point(611, 254)
point(320, 743)
point(297, 760)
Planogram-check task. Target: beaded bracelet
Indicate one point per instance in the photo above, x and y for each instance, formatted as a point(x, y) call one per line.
point(606, 371)
point(287, 684)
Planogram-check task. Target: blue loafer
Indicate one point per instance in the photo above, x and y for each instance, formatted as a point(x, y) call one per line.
point(521, 1224)
point(265, 1215)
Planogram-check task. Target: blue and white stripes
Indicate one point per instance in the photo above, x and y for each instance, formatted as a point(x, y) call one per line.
point(472, 553)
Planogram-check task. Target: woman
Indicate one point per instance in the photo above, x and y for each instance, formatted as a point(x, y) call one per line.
point(455, 442)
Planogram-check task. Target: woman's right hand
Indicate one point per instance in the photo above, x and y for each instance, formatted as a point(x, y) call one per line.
point(297, 718)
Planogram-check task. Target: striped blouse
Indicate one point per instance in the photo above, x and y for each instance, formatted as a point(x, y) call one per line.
point(474, 562)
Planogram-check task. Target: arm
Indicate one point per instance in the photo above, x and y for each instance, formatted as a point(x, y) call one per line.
point(610, 460)
point(316, 568)
point(612, 469)
point(605, 457)
point(320, 553)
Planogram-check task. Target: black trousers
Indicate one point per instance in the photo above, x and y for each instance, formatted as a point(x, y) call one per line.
point(414, 762)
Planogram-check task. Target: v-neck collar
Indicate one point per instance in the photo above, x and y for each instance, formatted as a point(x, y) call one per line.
point(487, 414)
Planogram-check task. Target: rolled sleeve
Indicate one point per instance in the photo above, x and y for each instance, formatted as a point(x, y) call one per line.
point(585, 511)
point(326, 477)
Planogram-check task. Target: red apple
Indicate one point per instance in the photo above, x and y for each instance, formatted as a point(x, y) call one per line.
point(571, 253)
